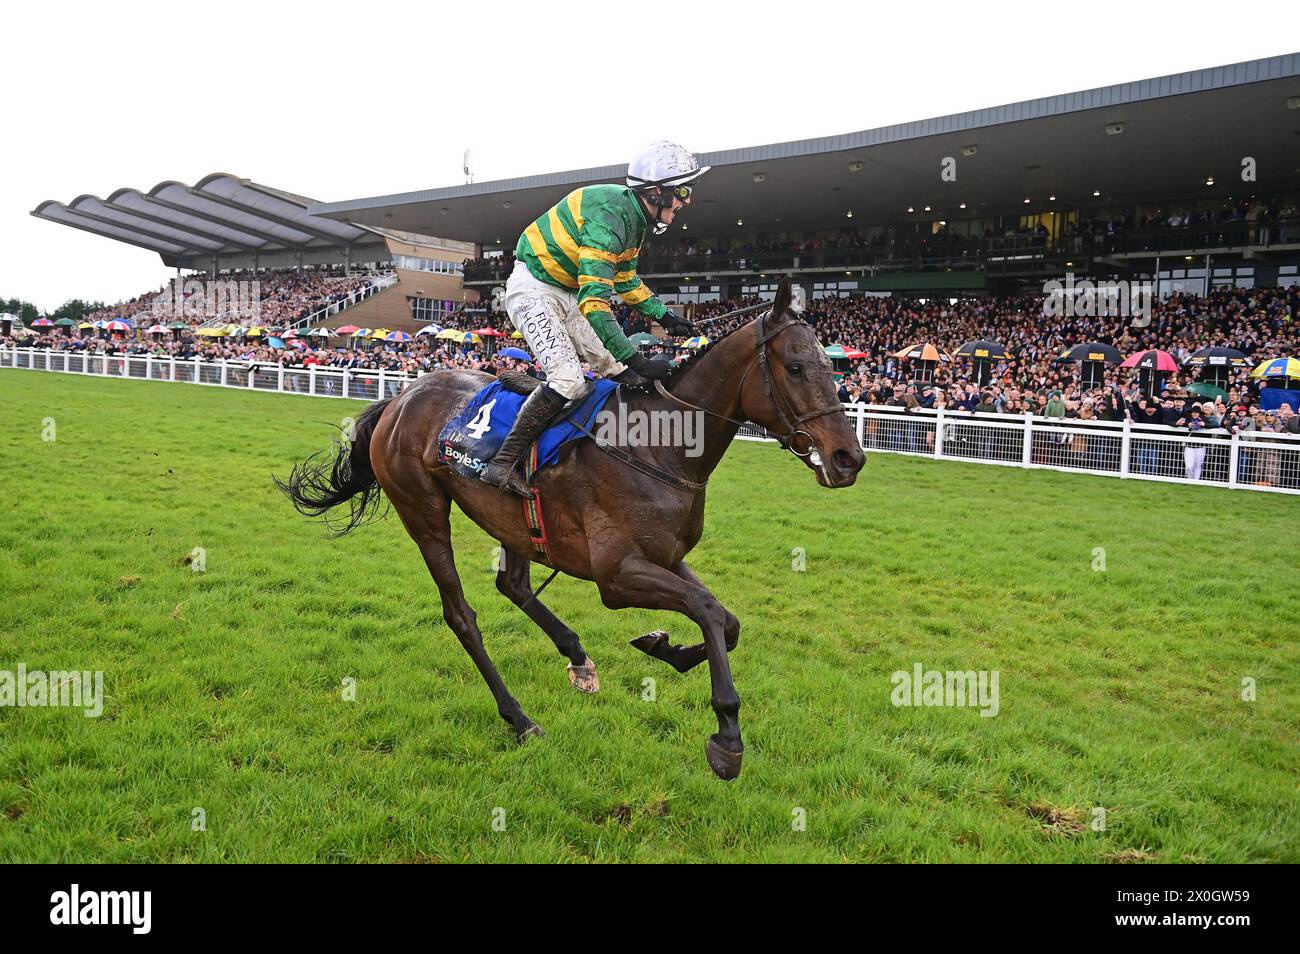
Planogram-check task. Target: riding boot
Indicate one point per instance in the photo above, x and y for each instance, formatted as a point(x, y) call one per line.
point(534, 415)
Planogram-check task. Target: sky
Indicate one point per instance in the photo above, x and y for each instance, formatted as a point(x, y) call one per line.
point(337, 101)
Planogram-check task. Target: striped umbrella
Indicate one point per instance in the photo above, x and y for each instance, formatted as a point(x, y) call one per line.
point(156, 330)
point(42, 323)
point(101, 324)
point(398, 336)
point(699, 341)
point(1278, 368)
point(839, 352)
point(428, 330)
point(359, 333)
point(464, 337)
point(923, 352)
point(117, 324)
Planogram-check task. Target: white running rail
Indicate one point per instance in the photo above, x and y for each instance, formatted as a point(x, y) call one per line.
point(1248, 461)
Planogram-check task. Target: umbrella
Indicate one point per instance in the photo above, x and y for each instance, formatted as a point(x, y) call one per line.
point(699, 341)
point(156, 330)
point(275, 342)
point(289, 334)
point(320, 333)
point(211, 332)
point(359, 333)
point(42, 323)
point(117, 324)
point(101, 324)
point(85, 326)
point(65, 322)
point(983, 351)
point(923, 352)
point(1278, 368)
point(640, 339)
point(379, 334)
point(428, 330)
point(178, 326)
point(256, 332)
point(519, 354)
point(464, 337)
point(517, 334)
point(1207, 390)
point(299, 344)
point(346, 329)
point(840, 352)
point(1092, 351)
point(1154, 360)
point(1229, 357)
point(398, 336)
point(489, 333)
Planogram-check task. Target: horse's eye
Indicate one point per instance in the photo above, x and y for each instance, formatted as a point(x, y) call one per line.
point(795, 370)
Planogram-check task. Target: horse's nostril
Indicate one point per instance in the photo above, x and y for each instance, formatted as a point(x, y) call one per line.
point(845, 460)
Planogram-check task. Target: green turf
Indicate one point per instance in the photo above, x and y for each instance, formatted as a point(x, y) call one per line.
point(1119, 689)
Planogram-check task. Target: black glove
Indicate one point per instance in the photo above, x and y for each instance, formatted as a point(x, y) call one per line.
point(676, 325)
point(629, 378)
point(651, 368)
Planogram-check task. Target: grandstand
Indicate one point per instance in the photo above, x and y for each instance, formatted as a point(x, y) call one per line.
point(227, 227)
point(1124, 181)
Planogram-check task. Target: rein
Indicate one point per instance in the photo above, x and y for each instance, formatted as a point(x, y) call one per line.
point(771, 389)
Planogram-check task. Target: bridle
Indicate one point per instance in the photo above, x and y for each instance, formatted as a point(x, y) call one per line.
point(772, 390)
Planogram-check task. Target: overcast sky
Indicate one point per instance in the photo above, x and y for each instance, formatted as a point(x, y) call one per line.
point(337, 101)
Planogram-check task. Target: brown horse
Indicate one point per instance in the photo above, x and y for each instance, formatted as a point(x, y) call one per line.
point(626, 525)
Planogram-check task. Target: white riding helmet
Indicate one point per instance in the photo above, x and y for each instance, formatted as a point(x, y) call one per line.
point(663, 164)
point(667, 166)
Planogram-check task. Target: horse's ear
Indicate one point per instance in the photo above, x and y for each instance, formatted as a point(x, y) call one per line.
point(783, 295)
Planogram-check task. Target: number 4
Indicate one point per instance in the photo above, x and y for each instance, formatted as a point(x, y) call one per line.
point(482, 420)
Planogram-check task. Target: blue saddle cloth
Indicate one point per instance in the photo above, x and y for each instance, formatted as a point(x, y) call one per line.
point(471, 439)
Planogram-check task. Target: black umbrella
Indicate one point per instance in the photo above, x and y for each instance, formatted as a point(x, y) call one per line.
point(983, 350)
point(1218, 357)
point(1092, 351)
point(983, 353)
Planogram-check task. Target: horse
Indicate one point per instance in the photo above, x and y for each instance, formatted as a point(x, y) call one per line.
point(624, 521)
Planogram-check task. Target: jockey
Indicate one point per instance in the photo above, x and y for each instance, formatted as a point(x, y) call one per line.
point(569, 265)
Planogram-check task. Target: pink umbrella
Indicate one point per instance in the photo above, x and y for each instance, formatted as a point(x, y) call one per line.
point(1151, 361)
point(489, 333)
point(117, 325)
point(42, 323)
point(156, 330)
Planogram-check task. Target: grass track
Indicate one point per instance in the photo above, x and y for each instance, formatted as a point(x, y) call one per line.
point(1119, 688)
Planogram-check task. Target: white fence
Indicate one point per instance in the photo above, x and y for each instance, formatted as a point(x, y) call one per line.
point(1254, 461)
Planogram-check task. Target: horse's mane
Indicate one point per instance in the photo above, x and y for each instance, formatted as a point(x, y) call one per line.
point(691, 360)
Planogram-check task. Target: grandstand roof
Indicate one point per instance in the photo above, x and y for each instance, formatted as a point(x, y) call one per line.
point(1177, 130)
point(220, 214)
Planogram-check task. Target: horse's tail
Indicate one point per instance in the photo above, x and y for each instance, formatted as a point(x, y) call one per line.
point(339, 475)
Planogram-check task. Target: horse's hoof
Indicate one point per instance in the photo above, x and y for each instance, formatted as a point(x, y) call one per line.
point(534, 731)
point(724, 762)
point(650, 641)
point(584, 677)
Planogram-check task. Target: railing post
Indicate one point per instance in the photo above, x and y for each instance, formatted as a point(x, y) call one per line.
point(148, 367)
point(171, 367)
point(1126, 442)
point(381, 394)
point(1234, 455)
point(1027, 452)
point(860, 425)
point(224, 370)
point(252, 373)
point(938, 433)
point(311, 380)
point(345, 380)
point(279, 381)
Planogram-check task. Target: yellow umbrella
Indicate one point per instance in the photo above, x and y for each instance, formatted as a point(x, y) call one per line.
point(85, 324)
point(1278, 368)
point(451, 334)
point(379, 333)
point(256, 331)
point(211, 332)
point(517, 334)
